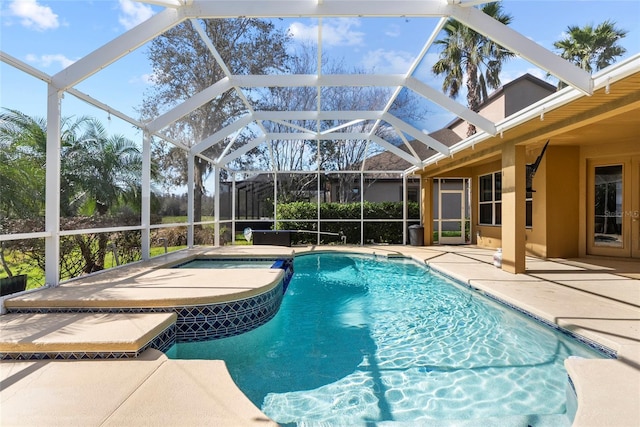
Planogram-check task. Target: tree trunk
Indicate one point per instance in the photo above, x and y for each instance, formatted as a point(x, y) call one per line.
point(473, 100)
point(5, 266)
point(85, 251)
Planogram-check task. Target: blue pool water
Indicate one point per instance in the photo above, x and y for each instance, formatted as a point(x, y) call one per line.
point(360, 341)
point(226, 263)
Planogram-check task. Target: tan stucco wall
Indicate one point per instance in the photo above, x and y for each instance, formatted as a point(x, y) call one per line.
point(494, 111)
point(522, 95)
point(536, 235)
point(555, 218)
point(562, 201)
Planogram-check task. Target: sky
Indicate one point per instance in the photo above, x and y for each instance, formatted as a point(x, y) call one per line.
point(51, 34)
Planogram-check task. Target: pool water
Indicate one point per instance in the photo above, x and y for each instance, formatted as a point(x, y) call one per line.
point(364, 341)
point(226, 263)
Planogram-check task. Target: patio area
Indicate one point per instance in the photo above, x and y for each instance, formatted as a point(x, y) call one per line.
point(594, 298)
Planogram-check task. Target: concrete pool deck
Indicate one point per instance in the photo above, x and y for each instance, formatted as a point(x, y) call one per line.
point(595, 298)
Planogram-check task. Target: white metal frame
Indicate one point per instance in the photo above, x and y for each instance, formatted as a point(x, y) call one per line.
point(178, 11)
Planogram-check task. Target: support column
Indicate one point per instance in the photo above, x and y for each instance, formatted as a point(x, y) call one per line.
point(405, 209)
point(513, 208)
point(190, 197)
point(52, 195)
point(275, 199)
point(361, 208)
point(145, 215)
point(426, 185)
point(216, 205)
point(233, 208)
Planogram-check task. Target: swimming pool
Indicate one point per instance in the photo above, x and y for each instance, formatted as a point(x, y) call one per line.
point(225, 263)
point(360, 341)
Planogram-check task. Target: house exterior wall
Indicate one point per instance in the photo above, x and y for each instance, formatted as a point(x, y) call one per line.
point(587, 186)
point(493, 110)
point(511, 98)
point(560, 207)
point(383, 191)
point(555, 213)
point(521, 95)
point(390, 191)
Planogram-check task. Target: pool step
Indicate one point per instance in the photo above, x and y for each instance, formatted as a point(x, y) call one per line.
point(150, 390)
point(33, 336)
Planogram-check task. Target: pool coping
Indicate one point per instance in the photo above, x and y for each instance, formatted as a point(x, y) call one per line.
point(597, 382)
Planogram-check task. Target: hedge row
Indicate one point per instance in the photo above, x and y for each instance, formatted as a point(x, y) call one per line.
point(374, 232)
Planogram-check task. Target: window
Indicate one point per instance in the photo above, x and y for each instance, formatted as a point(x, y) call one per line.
point(490, 209)
point(529, 207)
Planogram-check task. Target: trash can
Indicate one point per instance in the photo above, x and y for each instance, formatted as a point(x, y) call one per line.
point(416, 235)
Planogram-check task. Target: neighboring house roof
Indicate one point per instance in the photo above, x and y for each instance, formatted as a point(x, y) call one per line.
point(517, 94)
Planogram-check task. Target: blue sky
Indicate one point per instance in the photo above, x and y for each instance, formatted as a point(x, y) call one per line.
point(50, 35)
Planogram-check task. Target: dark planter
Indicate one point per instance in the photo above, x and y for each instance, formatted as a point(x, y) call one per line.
point(272, 237)
point(11, 285)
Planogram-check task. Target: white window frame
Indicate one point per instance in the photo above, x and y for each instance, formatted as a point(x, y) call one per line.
point(493, 202)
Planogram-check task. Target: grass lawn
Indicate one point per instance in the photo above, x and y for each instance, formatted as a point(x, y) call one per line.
point(20, 264)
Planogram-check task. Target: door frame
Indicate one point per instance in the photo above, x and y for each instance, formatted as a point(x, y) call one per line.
point(630, 214)
point(634, 216)
point(456, 239)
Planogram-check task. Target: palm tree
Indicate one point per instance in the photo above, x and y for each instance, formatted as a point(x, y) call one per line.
point(100, 171)
point(466, 54)
point(592, 48)
point(99, 174)
point(22, 157)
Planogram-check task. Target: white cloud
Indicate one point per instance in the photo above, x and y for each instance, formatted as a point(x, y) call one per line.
point(34, 15)
point(388, 61)
point(393, 31)
point(133, 13)
point(47, 61)
point(335, 32)
point(147, 79)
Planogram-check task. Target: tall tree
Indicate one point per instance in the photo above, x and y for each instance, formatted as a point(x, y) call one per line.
point(99, 173)
point(334, 155)
point(184, 66)
point(467, 54)
point(592, 48)
point(22, 158)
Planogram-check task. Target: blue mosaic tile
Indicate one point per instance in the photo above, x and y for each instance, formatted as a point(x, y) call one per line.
point(194, 323)
point(162, 342)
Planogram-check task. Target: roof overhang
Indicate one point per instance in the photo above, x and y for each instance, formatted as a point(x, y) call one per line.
point(616, 97)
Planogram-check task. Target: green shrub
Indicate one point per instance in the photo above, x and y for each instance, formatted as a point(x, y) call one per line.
point(379, 231)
